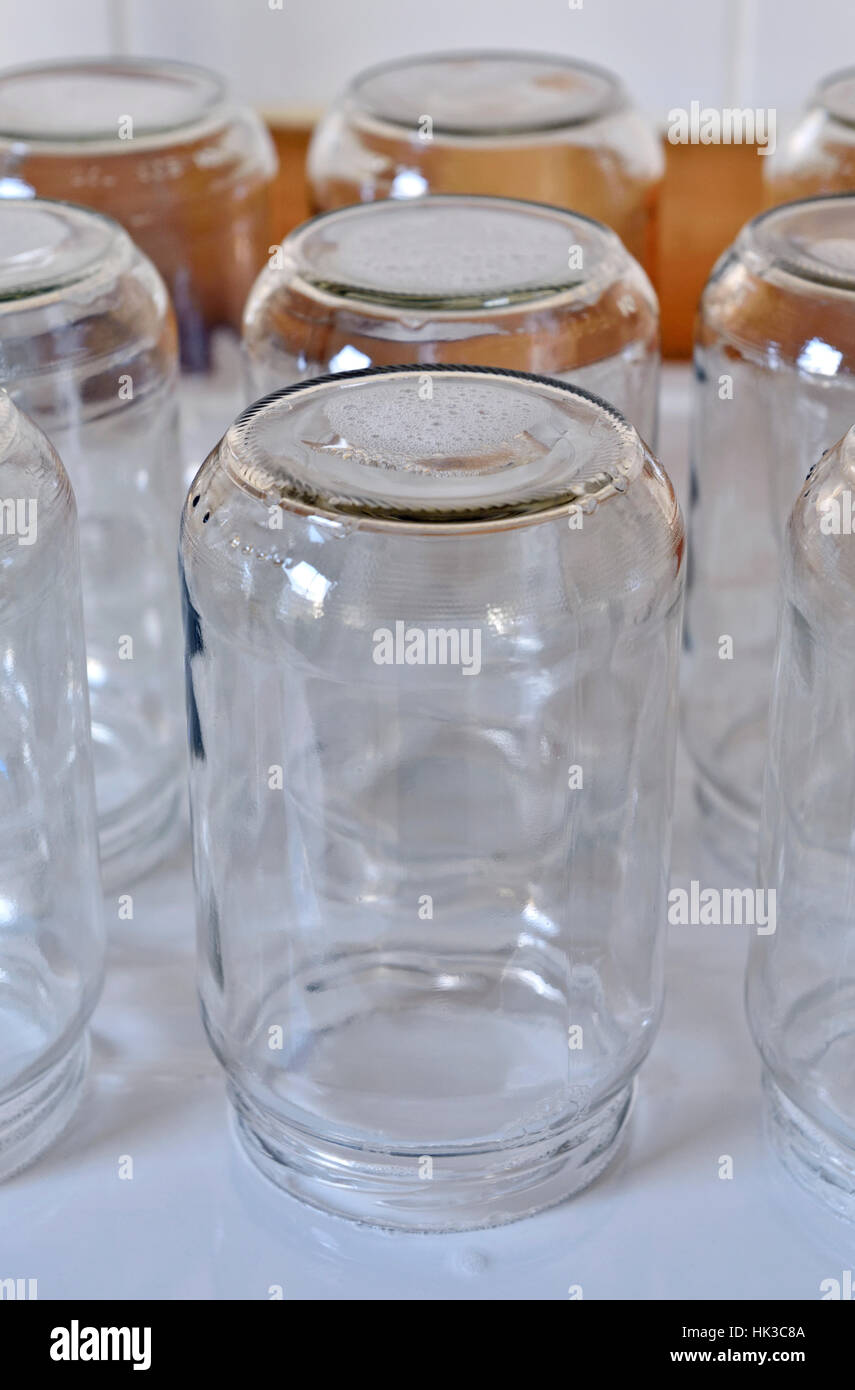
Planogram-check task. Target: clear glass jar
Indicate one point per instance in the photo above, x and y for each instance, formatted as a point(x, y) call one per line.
point(818, 155)
point(801, 977)
point(519, 125)
point(484, 281)
point(432, 624)
point(51, 928)
point(87, 348)
point(775, 386)
point(160, 147)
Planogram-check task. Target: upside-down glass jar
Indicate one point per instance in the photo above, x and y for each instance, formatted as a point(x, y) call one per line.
point(162, 148)
point(775, 386)
point(818, 155)
point(484, 281)
point(87, 348)
point(801, 977)
point(51, 927)
point(432, 627)
point(519, 125)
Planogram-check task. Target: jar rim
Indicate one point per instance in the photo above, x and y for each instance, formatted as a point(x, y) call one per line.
point(612, 94)
point(105, 255)
point(210, 90)
point(824, 95)
point(760, 238)
point(611, 259)
point(558, 496)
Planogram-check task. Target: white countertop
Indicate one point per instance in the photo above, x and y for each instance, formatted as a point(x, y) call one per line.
point(197, 1221)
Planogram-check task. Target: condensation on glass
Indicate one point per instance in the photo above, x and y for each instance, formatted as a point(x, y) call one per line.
point(51, 929)
point(162, 148)
point(775, 387)
point(801, 977)
point(818, 154)
point(519, 125)
point(478, 280)
point(87, 348)
point(432, 628)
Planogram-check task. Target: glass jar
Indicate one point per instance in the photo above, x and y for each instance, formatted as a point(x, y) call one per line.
point(87, 348)
point(432, 622)
point(520, 125)
point(775, 386)
point(801, 977)
point(818, 155)
point(484, 281)
point(160, 147)
point(51, 928)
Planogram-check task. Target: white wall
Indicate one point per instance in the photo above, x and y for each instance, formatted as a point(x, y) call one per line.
point(670, 52)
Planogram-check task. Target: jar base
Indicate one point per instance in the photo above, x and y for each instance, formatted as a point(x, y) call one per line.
point(32, 1119)
point(819, 1162)
point(446, 1192)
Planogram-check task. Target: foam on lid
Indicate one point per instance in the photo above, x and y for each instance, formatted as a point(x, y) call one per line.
point(476, 252)
point(77, 101)
point(486, 93)
point(813, 239)
point(439, 446)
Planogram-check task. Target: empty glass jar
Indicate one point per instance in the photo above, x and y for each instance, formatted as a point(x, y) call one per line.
point(51, 929)
point(520, 125)
point(487, 281)
point(161, 147)
point(432, 623)
point(801, 978)
point(818, 155)
point(87, 348)
point(775, 386)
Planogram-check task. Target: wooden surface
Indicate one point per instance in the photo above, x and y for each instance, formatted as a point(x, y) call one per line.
point(291, 195)
point(709, 191)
